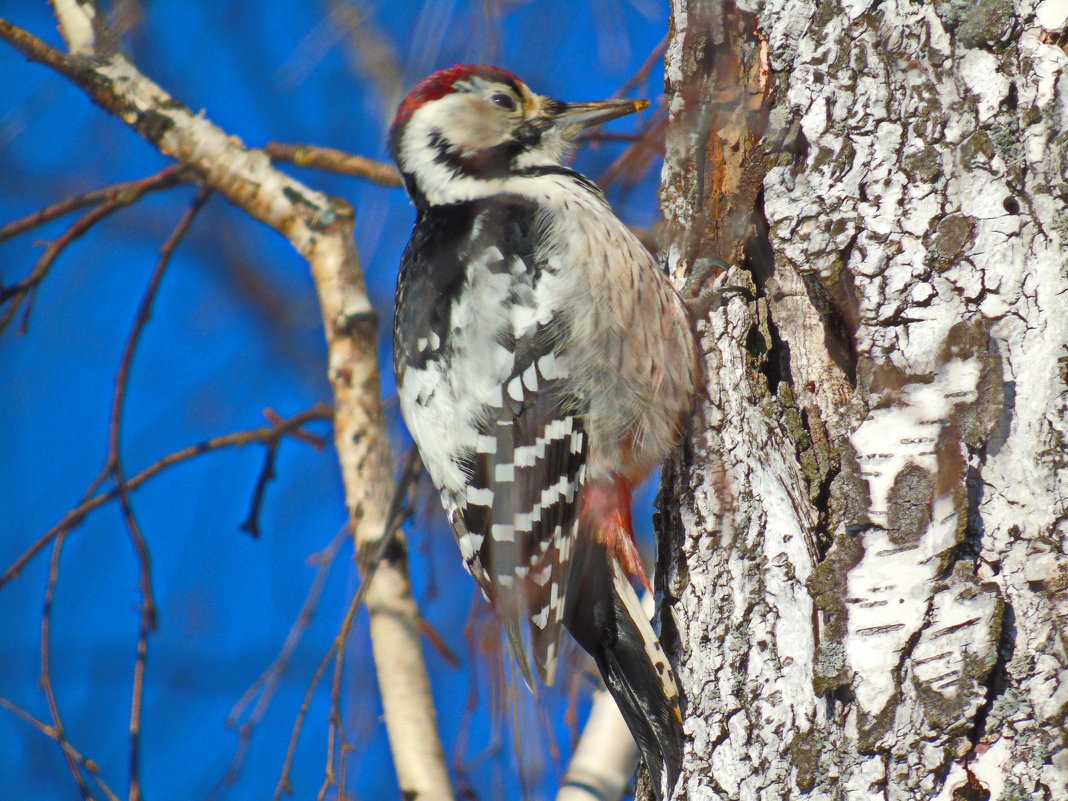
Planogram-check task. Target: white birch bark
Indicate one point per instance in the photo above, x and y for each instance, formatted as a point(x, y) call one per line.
point(867, 564)
point(320, 228)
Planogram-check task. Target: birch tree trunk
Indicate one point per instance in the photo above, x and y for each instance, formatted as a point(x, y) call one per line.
point(866, 577)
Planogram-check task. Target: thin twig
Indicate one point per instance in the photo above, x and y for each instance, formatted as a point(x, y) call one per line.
point(336, 736)
point(16, 292)
point(266, 685)
point(331, 160)
point(437, 642)
point(644, 69)
point(46, 666)
point(336, 731)
point(482, 633)
point(304, 436)
point(144, 312)
point(146, 624)
point(114, 466)
point(110, 199)
point(74, 517)
point(251, 524)
point(88, 765)
point(636, 159)
point(164, 179)
point(369, 566)
point(284, 785)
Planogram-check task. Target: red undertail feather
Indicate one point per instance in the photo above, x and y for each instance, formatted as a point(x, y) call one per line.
point(606, 513)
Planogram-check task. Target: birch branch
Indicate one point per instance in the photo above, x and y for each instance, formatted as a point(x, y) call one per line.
point(331, 160)
point(320, 228)
point(605, 757)
point(78, 22)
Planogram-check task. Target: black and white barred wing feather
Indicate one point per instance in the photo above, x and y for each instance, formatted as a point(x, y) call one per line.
point(521, 510)
point(500, 434)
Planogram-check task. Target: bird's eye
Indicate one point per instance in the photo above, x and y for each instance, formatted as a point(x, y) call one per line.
point(503, 100)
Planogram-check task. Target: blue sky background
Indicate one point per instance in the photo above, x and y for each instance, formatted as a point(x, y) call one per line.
point(236, 330)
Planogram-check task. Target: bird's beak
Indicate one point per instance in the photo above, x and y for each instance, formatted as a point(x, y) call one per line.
point(574, 118)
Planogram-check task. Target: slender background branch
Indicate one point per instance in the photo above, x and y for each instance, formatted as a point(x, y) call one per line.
point(321, 230)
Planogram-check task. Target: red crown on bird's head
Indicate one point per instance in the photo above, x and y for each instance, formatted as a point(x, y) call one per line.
point(444, 82)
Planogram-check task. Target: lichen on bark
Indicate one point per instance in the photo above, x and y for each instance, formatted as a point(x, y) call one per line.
point(880, 455)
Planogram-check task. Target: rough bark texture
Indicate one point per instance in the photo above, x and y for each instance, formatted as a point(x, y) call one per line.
point(867, 568)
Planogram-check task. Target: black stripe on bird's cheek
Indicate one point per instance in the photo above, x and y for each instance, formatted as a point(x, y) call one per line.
point(491, 162)
point(528, 135)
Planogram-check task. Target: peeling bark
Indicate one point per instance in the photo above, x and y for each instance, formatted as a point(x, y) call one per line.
point(866, 569)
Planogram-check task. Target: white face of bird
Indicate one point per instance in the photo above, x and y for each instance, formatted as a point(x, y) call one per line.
point(462, 131)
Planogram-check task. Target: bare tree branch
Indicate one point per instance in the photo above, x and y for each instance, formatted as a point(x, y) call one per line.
point(331, 160)
point(79, 23)
point(77, 515)
point(51, 732)
point(26, 288)
point(266, 685)
point(320, 228)
point(126, 192)
point(46, 667)
point(113, 467)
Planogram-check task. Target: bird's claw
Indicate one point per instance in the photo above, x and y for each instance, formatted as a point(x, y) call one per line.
point(700, 294)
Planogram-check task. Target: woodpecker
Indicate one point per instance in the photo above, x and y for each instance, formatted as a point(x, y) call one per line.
point(544, 362)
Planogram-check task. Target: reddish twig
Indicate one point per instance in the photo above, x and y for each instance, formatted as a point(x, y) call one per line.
point(265, 687)
point(482, 634)
point(74, 517)
point(46, 667)
point(331, 160)
point(164, 179)
point(437, 642)
point(644, 69)
point(304, 436)
point(146, 624)
point(16, 292)
point(118, 197)
point(336, 731)
point(636, 159)
point(144, 312)
point(88, 765)
point(284, 785)
point(369, 565)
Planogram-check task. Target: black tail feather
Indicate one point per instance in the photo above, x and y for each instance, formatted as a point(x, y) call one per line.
point(605, 617)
